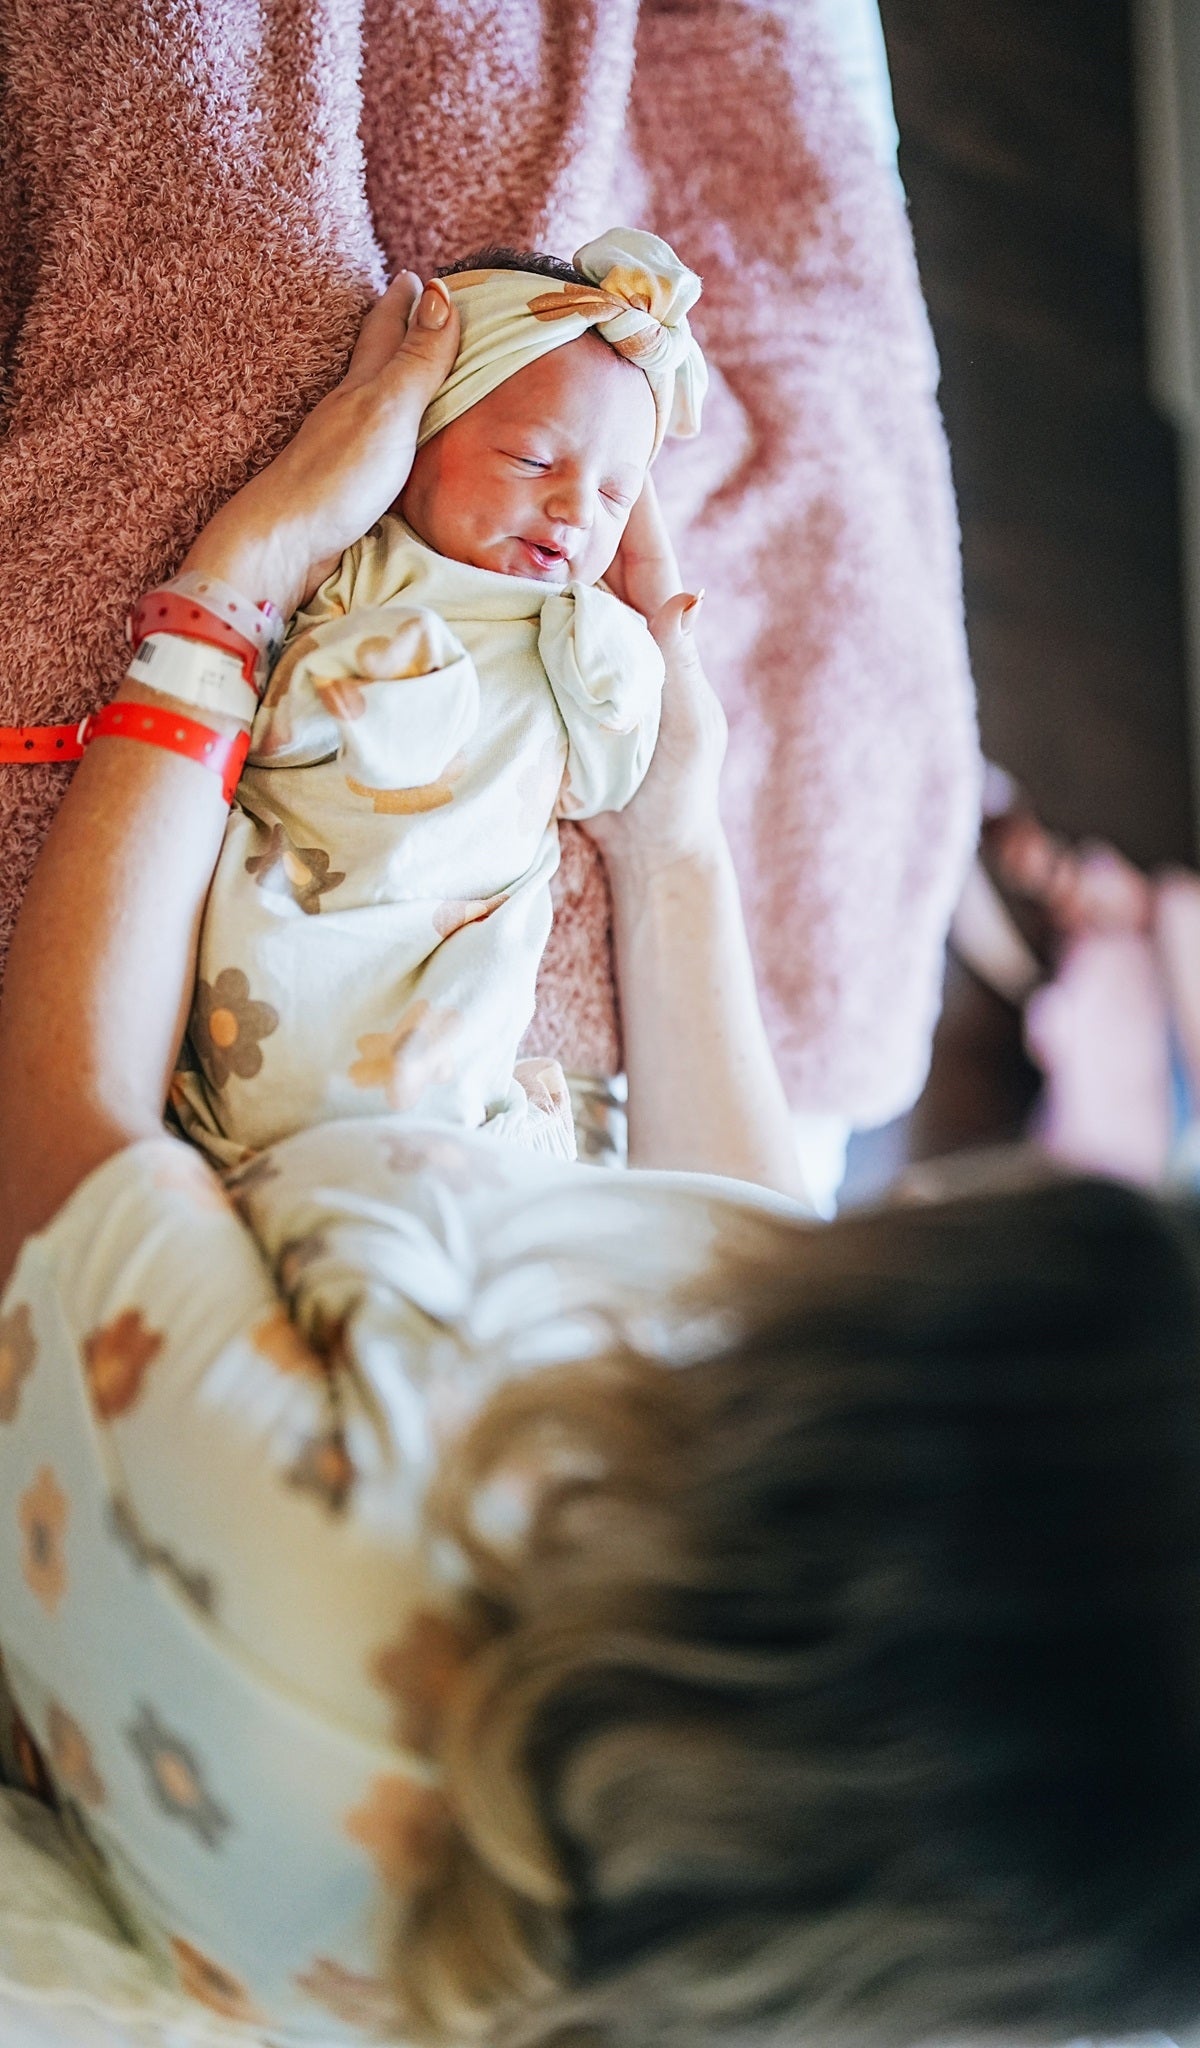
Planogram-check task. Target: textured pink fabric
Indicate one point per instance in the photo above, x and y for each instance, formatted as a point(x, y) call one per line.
point(190, 235)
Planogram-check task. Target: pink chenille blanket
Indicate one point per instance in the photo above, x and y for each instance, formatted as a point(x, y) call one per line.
point(199, 198)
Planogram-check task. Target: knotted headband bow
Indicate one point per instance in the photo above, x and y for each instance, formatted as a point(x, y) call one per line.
point(637, 298)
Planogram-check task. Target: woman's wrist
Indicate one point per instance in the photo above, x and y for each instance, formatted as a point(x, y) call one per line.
point(637, 869)
point(262, 564)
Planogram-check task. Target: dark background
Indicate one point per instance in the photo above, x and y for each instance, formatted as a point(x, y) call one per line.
point(1018, 153)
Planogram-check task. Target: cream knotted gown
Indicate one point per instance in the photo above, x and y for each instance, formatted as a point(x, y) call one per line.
point(381, 902)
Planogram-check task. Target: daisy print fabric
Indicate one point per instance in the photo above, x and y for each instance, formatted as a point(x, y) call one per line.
point(221, 1403)
point(382, 900)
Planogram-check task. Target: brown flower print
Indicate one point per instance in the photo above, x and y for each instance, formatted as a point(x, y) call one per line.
point(359, 2001)
point(419, 1674)
point(278, 1340)
point(17, 1353)
point(195, 1585)
point(174, 1778)
point(43, 1512)
point(301, 873)
point(227, 1026)
point(70, 1755)
point(297, 1255)
point(212, 1985)
point(326, 1469)
point(28, 1758)
point(257, 1170)
point(409, 1058)
point(405, 1829)
point(461, 1167)
point(116, 1358)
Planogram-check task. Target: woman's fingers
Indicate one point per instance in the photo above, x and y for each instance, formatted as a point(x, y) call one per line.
point(429, 345)
point(647, 571)
point(384, 329)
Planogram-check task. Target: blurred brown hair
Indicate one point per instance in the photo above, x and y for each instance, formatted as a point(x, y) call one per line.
point(842, 1685)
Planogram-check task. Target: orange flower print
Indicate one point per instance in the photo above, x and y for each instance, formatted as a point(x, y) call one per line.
point(277, 1339)
point(359, 2001)
point(405, 1829)
point(43, 1513)
point(300, 873)
point(227, 1026)
point(459, 911)
point(211, 1985)
point(17, 1353)
point(570, 299)
point(632, 291)
point(116, 1358)
point(326, 1469)
point(419, 1673)
point(174, 1778)
point(287, 664)
point(410, 1058)
point(403, 803)
point(70, 1755)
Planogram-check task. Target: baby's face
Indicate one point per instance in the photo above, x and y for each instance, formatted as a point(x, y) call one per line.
point(540, 477)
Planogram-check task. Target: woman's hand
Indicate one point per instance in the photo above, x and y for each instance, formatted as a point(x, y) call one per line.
point(674, 815)
point(284, 531)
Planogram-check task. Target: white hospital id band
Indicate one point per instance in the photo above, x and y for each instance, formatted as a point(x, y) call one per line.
point(194, 673)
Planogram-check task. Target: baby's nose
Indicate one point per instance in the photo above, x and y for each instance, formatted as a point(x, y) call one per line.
point(569, 503)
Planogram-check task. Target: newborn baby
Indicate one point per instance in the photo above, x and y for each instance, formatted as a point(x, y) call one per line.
point(462, 681)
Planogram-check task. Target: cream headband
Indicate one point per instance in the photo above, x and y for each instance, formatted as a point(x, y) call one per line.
point(638, 300)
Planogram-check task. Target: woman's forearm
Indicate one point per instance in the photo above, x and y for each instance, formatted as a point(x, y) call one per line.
point(100, 973)
point(704, 1093)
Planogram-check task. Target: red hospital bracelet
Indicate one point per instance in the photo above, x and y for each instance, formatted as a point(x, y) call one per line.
point(31, 743)
point(172, 611)
point(223, 752)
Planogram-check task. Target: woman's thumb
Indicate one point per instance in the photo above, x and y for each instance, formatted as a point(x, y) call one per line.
point(674, 621)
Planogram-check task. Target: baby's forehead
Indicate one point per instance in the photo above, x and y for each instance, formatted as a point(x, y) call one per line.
point(583, 386)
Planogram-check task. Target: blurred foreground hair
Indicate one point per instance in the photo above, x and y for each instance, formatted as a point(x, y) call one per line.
point(843, 1687)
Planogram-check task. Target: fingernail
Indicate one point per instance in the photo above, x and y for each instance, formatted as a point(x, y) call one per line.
point(434, 309)
point(690, 612)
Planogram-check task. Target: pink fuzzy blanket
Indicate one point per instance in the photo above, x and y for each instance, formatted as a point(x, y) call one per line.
point(198, 199)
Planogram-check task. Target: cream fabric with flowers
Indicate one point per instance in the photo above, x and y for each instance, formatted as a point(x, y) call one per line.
point(638, 298)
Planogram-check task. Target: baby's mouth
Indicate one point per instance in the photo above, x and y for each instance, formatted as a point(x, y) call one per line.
point(544, 554)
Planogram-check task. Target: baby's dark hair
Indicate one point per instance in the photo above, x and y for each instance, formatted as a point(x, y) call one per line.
point(498, 256)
